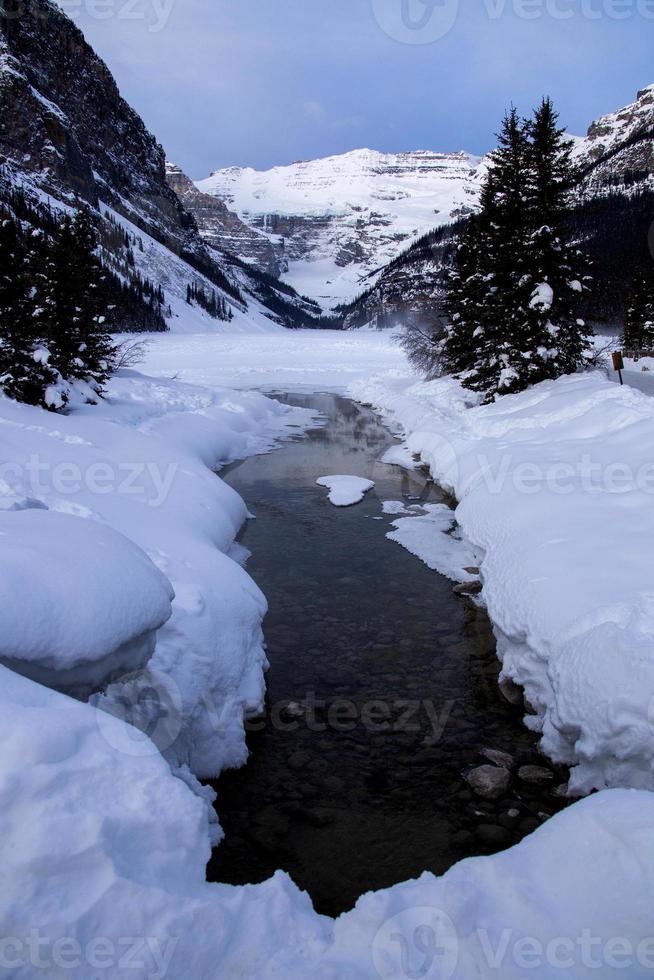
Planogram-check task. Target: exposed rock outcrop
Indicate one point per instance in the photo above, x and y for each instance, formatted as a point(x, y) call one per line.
point(222, 229)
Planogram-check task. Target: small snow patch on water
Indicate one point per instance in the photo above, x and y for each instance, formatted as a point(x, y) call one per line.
point(434, 538)
point(344, 491)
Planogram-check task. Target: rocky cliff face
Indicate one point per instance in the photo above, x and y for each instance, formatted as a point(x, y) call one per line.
point(619, 148)
point(341, 218)
point(222, 228)
point(67, 135)
point(65, 127)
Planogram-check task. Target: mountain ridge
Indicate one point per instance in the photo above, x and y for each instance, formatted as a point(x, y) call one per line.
point(336, 219)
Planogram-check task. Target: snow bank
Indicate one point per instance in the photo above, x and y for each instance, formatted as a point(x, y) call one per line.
point(109, 880)
point(141, 466)
point(555, 487)
point(344, 491)
point(80, 603)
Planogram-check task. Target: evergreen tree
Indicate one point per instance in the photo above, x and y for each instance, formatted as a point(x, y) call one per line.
point(486, 299)
point(24, 371)
point(511, 296)
point(638, 336)
point(557, 339)
point(81, 350)
point(466, 300)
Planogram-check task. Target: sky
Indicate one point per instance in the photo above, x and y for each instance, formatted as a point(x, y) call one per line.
point(265, 82)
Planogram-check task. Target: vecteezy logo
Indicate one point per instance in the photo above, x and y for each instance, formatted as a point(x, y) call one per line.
point(419, 944)
point(416, 21)
point(149, 706)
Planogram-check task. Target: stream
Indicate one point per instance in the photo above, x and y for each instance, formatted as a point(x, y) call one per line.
point(382, 690)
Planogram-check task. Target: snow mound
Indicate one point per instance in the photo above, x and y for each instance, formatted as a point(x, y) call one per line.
point(345, 490)
point(141, 465)
point(80, 603)
point(400, 456)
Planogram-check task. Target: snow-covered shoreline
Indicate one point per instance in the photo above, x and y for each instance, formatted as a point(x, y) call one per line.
point(555, 487)
point(138, 472)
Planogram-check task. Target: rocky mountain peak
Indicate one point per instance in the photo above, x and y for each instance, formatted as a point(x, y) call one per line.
point(340, 218)
point(221, 228)
point(619, 147)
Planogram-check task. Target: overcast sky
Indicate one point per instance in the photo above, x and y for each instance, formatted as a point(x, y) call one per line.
point(265, 82)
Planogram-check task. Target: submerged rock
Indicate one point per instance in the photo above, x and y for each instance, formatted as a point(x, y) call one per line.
point(489, 782)
point(498, 758)
point(468, 588)
point(493, 836)
point(511, 691)
point(535, 774)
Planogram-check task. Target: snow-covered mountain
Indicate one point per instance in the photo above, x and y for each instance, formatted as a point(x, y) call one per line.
point(612, 219)
point(67, 138)
point(339, 226)
point(619, 148)
point(334, 221)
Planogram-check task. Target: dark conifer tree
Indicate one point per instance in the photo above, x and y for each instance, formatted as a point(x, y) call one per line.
point(466, 300)
point(557, 339)
point(638, 334)
point(486, 299)
point(24, 371)
point(511, 297)
point(82, 351)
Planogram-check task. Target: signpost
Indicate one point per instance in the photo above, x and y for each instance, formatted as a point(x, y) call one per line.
point(618, 364)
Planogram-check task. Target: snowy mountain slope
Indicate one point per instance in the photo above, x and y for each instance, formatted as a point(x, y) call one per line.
point(247, 257)
point(619, 148)
point(336, 220)
point(68, 138)
point(159, 264)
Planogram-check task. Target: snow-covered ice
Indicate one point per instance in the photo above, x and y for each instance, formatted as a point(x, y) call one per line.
point(430, 533)
point(290, 360)
point(344, 491)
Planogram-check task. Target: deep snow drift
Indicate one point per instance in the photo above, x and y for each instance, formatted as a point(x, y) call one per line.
point(81, 599)
point(109, 880)
point(57, 630)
